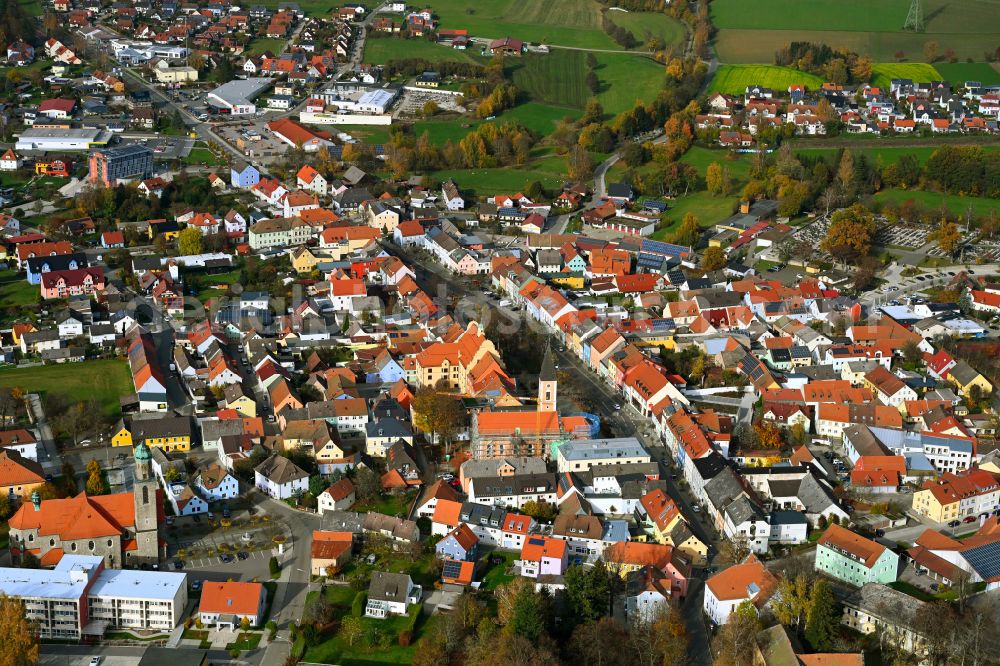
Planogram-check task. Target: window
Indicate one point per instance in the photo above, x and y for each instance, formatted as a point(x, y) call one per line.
point(91, 545)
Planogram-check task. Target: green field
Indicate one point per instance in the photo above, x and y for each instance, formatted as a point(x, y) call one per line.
point(261, 44)
point(310, 7)
point(700, 158)
point(556, 78)
point(381, 50)
point(734, 79)
point(958, 205)
point(709, 210)
point(549, 171)
point(884, 72)
point(15, 291)
point(875, 29)
point(644, 25)
point(540, 118)
point(31, 7)
point(202, 155)
point(625, 79)
point(575, 23)
point(961, 72)
point(885, 154)
point(104, 381)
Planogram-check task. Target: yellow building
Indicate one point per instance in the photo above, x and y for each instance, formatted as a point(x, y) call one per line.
point(171, 434)
point(19, 476)
point(304, 261)
point(571, 280)
point(240, 401)
point(122, 436)
point(955, 496)
point(965, 377)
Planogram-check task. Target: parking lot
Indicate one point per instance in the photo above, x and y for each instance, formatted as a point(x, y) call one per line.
point(253, 138)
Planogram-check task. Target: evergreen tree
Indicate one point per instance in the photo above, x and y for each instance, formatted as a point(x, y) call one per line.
point(821, 623)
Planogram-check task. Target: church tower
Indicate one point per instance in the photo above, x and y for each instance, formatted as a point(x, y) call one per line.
point(547, 383)
point(145, 500)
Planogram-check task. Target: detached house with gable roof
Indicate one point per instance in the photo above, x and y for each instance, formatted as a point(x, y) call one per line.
point(726, 590)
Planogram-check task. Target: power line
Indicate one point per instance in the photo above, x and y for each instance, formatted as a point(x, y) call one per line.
point(915, 17)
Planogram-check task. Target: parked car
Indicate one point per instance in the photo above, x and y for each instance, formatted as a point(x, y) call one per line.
point(247, 536)
point(954, 523)
point(242, 555)
point(226, 557)
point(969, 519)
point(178, 564)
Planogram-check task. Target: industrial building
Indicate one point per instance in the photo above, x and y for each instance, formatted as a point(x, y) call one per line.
point(237, 96)
point(81, 598)
point(121, 163)
point(59, 140)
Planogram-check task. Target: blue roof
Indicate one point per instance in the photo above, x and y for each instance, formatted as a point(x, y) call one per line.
point(659, 247)
point(985, 560)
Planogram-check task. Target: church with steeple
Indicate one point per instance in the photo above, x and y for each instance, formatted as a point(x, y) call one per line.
point(548, 384)
point(123, 528)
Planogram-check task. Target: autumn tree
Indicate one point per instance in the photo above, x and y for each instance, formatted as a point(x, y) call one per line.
point(850, 234)
point(18, 636)
point(931, 49)
point(660, 640)
point(580, 166)
point(189, 241)
point(438, 414)
point(96, 484)
point(947, 236)
point(689, 231)
point(768, 435)
point(734, 644)
point(713, 259)
point(717, 179)
point(351, 629)
point(791, 602)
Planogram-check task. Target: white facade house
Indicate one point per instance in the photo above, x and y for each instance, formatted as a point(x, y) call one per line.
point(726, 590)
point(390, 594)
point(280, 478)
point(215, 483)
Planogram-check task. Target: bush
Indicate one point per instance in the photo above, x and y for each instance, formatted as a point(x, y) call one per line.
point(405, 638)
point(272, 629)
point(358, 605)
point(275, 567)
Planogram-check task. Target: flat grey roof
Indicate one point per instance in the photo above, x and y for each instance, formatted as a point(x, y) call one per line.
point(241, 91)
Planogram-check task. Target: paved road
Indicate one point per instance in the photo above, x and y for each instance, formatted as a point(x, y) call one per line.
point(48, 452)
point(600, 189)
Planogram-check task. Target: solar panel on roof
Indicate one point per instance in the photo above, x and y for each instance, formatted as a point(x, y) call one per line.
point(536, 541)
point(451, 569)
point(985, 560)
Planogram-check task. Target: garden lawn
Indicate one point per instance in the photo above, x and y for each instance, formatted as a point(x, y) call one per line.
point(496, 574)
point(734, 79)
point(961, 72)
point(334, 650)
point(380, 50)
point(273, 44)
point(390, 505)
point(709, 210)
point(200, 155)
point(958, 205)
point(372, 134)
point(644, 25)
point(15, 291)
point(700, 158)
point(884, 72)
point(575, 23)
point(245, 641)
point(104, 381)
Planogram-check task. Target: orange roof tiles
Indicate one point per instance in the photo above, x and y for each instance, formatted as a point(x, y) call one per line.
point(16, 470)
point(536, 548)
point(227, 598)
point(866, 550)
point(447, 512)
point(732, 583)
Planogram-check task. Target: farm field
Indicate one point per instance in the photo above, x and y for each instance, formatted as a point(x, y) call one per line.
point(884, 72)
point(874, 29)
point(104, 381)
point(575, 23)
point(959, 72)
point(15, 291)
point(644, 25)
point(625, 79)
point(958, 205)
point(555, 78)
point(559, 79)
point(733, 79)
point(381, 50)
